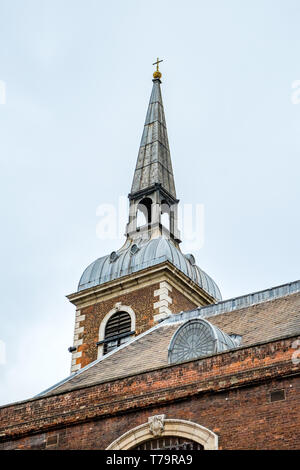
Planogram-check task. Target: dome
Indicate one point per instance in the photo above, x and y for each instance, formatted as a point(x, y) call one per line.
point(197, 338)
point(134, 257)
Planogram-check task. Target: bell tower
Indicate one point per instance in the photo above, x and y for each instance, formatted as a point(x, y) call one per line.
point(124, 293)
point(153, 201)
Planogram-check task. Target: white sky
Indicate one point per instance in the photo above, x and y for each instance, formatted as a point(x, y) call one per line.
point(78, 81)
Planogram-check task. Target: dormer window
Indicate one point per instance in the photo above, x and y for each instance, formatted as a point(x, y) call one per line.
point(117, 331)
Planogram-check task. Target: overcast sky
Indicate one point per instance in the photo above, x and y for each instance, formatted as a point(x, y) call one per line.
point(75, 81)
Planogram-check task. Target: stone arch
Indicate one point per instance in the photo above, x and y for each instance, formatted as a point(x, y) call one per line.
point(167, 427)
point(119, 307)
point(144, 212)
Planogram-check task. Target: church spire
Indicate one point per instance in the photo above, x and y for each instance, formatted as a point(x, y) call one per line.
point(153, 189)
point(154, 166)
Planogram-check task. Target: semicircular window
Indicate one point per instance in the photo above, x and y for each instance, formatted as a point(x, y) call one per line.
point(117, 331)
point(197, 338)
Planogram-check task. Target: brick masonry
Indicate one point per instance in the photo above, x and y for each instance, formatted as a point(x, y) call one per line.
point(143, 301)
point(229, 393)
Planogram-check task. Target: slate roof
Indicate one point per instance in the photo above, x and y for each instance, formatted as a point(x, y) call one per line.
point(275, 315)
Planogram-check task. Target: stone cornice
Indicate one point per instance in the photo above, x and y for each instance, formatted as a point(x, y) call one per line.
point(148, 276)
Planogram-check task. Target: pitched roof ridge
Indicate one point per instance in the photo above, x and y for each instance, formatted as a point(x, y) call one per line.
point(240, 302)
point(202, 312)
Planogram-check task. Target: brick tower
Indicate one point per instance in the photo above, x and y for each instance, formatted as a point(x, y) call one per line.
point(159, 361)
point(129, 290)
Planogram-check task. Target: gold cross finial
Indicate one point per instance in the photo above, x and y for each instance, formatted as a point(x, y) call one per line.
point(157, 73)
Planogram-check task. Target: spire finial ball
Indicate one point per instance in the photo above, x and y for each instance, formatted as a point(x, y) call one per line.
point(157, 73)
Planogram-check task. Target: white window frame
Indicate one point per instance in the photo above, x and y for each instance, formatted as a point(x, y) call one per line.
point(119, 307)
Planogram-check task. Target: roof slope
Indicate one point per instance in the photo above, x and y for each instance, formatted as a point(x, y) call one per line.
point(256, 323)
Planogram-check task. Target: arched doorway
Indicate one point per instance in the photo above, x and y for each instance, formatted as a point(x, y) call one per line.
point(169, 443)
point(159, 431)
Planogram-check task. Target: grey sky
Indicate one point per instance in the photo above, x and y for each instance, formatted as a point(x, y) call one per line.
point(78, 80)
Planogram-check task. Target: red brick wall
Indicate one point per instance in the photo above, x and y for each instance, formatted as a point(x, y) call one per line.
point(179, 302)
point(228, 393)
point(243, 419)
point(141, 301)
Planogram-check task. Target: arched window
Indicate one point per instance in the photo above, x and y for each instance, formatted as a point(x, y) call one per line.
point(116, 328)
point(144, 215)
point(117, 331)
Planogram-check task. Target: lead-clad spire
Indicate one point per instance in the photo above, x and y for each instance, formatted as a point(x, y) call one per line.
point(153, 203)
point(154, 167)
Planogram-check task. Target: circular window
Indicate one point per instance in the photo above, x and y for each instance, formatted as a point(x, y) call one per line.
point(191, 258)
point(134, 249)
point(113, 256)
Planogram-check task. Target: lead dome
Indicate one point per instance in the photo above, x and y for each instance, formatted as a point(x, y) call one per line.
point(127, 261)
